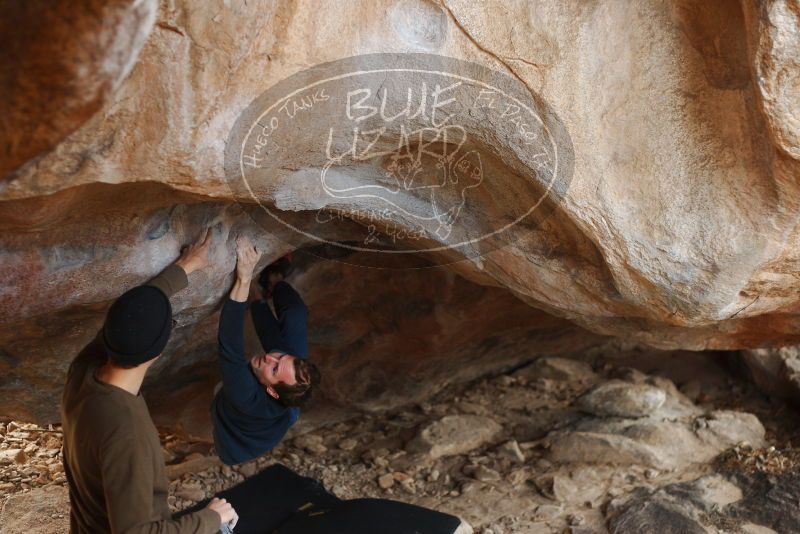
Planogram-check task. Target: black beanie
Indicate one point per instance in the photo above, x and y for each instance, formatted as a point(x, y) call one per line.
point(137, 326)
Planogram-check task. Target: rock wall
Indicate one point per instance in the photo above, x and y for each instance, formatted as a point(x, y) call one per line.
point(678, 229)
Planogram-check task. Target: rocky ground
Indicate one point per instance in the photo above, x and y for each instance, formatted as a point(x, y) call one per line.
point(622, 442)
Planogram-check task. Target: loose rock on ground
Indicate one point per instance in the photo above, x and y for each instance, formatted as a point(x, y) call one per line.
point(581, 472)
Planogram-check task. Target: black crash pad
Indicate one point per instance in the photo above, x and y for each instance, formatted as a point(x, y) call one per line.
point(379, 516)
point(279, 501)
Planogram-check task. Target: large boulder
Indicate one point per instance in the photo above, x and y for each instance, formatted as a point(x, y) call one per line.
point(649, 423)
point(758, 503)
point(61, 63)
point(774, 371)
point(672, 221)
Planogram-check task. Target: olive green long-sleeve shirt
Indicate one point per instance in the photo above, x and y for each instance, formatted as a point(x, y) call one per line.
point(112, 455)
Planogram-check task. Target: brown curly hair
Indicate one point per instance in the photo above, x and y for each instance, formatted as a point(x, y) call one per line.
point(308, 377)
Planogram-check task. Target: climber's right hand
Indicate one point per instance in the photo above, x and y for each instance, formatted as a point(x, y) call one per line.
point(247, 256)
point(195, 256)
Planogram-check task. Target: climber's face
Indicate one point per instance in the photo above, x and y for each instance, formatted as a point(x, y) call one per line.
point(274, 368)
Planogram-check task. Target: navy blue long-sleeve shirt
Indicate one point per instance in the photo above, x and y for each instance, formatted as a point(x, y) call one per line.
point(247, 420)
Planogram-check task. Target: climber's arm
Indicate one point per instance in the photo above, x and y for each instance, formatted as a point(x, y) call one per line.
point(238, 382)
point(170, 281)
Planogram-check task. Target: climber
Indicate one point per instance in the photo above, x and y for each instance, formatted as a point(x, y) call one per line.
point(261, 391)
point(112, 455)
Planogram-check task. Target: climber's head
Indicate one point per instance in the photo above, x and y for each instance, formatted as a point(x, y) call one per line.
point(287, 378)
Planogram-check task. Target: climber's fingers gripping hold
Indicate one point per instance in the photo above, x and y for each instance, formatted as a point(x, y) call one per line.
point(247, 256)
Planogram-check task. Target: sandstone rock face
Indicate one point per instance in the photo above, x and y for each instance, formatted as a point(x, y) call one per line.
point(775, 371)
point(775, 47)
point(676, 226)
point(61, 63)
point(379, 342)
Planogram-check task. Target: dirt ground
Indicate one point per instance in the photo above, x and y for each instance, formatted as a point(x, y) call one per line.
point(502, 478)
